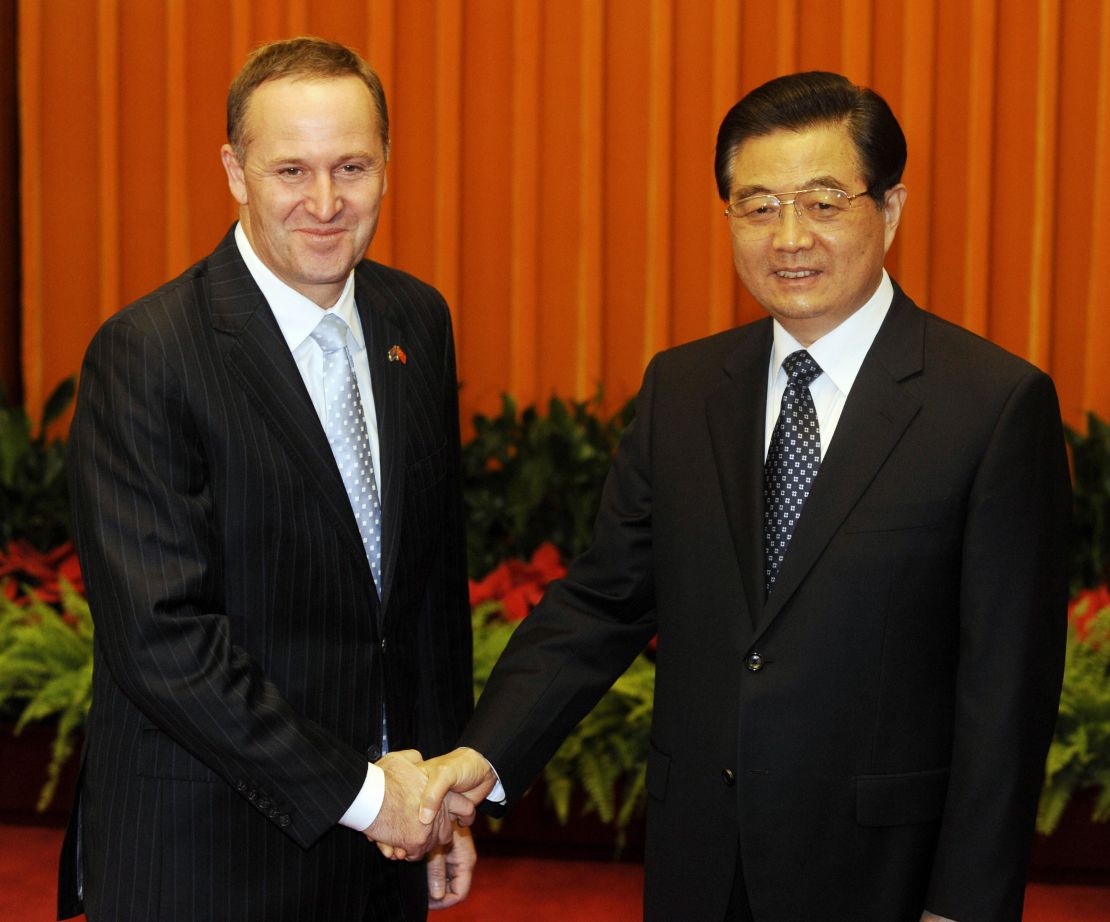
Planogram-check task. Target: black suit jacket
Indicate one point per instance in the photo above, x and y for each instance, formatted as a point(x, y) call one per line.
point(871, 736)
point(241, 654)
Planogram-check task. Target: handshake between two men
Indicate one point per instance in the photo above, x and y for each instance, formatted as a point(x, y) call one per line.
point(425, 812)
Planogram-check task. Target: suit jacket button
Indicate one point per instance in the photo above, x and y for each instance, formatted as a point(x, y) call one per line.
point(382, 645)
point(283, 821)
point(374, 752)
point(754, 662)
point(240, 786)
point(729, 777)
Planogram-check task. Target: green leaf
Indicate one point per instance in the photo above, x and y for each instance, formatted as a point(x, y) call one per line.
point(15, 444)
point(530, 478)
point(1090, 457)
point(57, 402)
point(46, 663)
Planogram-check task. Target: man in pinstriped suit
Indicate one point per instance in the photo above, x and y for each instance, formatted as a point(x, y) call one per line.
point(248, 668)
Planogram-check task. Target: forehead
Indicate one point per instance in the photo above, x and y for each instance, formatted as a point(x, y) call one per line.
point(296, 106)
point(785, 160)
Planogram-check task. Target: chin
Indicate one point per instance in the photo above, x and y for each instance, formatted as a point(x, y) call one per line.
point(326, 273)
point(796, 311)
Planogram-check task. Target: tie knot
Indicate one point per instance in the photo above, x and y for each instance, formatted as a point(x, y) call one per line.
point(801, 368)
point(330, 333)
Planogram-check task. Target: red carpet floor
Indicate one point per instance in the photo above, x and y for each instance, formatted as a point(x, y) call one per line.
point(505, 890)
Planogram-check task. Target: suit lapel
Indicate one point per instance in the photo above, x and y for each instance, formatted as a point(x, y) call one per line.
point(257, 355)
point(382, 332)
point(877, 412)
point(736, 416)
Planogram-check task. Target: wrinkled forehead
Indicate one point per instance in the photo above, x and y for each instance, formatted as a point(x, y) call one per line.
point(283, 101)
point(787, 159)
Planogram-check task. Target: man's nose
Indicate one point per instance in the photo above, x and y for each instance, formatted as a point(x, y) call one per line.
point(791, 233)
point(322, 198)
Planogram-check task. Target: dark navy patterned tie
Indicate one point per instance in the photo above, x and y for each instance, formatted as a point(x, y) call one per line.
point(792, 462)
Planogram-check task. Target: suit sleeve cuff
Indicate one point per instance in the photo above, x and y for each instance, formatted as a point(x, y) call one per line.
point(366, 806)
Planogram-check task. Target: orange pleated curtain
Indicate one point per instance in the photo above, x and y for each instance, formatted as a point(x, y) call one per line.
point(552, 166)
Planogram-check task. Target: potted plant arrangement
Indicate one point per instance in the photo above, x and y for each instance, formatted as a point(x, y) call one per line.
point(1072, 821)
point(532, 486)
point(45, 628)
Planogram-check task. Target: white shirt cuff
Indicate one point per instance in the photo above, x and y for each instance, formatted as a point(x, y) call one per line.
point(368, 803)
point(497, 795)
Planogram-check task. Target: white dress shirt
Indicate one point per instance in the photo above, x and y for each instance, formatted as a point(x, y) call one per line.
point(840, 353)
point(297, 317)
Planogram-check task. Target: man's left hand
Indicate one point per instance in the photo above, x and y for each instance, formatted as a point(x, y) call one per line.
point(450, 870)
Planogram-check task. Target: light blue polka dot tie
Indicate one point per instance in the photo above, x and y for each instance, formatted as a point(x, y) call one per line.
point(792, 462)
point(346, 431)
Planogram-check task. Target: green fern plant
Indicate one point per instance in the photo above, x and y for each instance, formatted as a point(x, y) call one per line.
point(46, 666)
point(604, 756)
point(1079, 756)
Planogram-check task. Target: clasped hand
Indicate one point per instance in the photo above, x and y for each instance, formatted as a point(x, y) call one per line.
point(426, 806)
point(400, 830)
point(424, 800)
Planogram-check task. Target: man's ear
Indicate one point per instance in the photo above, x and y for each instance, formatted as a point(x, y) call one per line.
point(893, 202)
point(236, 182)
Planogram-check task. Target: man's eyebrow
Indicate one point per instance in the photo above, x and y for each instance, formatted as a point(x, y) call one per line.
point(745, 191)
point(359, 155)
point(295, 160)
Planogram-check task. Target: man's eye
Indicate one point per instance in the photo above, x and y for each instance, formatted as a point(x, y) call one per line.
point(350, 168)
point(290, 171)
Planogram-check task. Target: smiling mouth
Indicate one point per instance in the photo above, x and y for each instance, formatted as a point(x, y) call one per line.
point(795, 274)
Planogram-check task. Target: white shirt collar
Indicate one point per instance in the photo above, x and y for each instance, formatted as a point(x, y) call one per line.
point(297, 316)
point(841, 351)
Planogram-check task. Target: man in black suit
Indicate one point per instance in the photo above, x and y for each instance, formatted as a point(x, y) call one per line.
point(847, 524)
point(264, 466)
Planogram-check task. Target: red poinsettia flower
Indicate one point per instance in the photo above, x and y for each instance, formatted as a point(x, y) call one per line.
point(519, 585)
point(1085, 606)
point(22, 564)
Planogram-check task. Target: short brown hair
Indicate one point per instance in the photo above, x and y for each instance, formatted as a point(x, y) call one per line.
point(304, 56)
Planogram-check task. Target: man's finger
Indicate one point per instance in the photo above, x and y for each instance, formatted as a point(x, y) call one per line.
point(437, 874)
point(440, 782)
point(461, 808)
point(461, 858)
point(460, 883)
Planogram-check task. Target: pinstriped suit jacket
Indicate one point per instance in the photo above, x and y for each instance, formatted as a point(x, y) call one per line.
point(242, 656)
